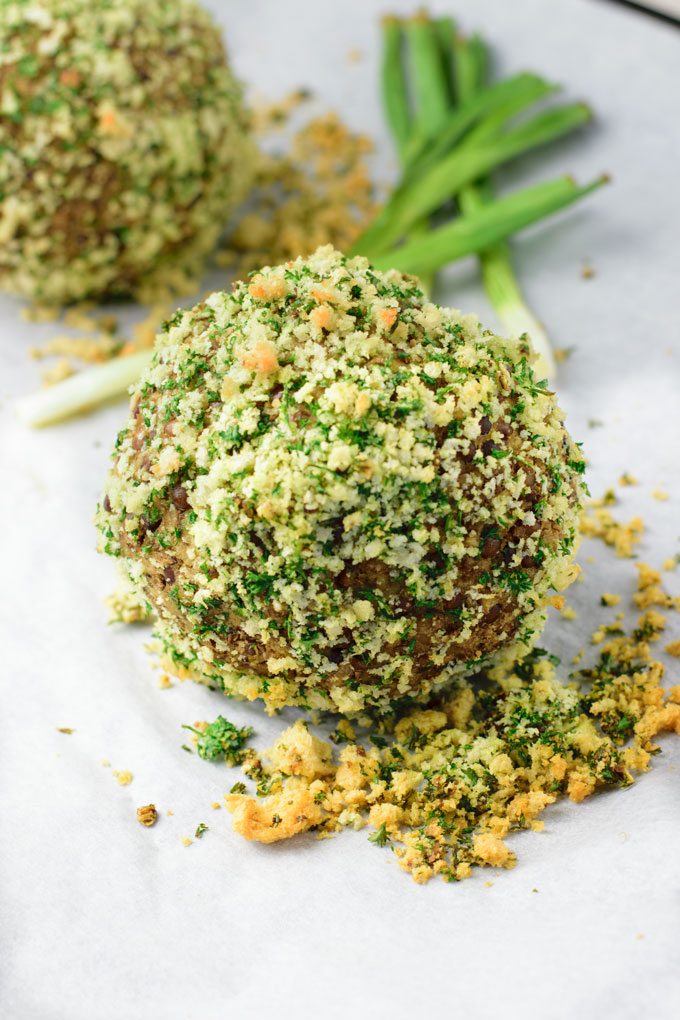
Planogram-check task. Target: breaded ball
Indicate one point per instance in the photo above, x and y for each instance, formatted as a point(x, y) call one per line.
point(336, 494)
point(124, 144)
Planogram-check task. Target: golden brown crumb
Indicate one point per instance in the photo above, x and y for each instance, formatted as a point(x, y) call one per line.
point(627, 479)
point(65, 729)
point(621, 537)
point(673, 648)
point(124, 777)
point(321, 192)
point(106, 763)
point(216, 806)
point(671, 563)
point(278, 816)
point(609, 599)
point(587, 271)
point(454, 778)
point(186, 841)
point(165, 682)
point(660, 494)
point(57, 372)
point(147, 815)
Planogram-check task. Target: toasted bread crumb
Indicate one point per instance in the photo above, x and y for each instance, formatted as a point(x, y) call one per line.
point(147, 815)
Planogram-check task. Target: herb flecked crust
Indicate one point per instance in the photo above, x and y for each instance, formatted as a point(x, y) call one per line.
point(124, 144)
point(336, 494)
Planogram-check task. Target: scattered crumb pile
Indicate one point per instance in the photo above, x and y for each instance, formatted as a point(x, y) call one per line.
point(319, 193)
point(443, 785)
point(452, 780)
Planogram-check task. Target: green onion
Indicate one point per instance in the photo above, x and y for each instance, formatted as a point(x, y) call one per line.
point(478, 230)
point(394, 89)
point(450, 130)
point(462, 166)
point(498, 276)
point(83, 391)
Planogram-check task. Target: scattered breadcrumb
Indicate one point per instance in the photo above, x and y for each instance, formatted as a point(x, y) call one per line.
point(627, 479)
point(65, 729)
point(671, 564)
point(354, 56)
point(587, 271)
point(106, 763)
point(320, 192)
point(568, 613)
point(165, 682)
point(623, 538)
point(660, 494)
point(61, 370)
point(216, 805)
point(673, 649)
point(169, 812)
point(443, 786)
point(650, 591)
point(186, 841)
point(40, 313)
point(609, 599)
point(562, 353)
point(147, 815)
point(124, 777)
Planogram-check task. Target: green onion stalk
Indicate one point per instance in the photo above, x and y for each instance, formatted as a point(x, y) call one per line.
point(451, 131)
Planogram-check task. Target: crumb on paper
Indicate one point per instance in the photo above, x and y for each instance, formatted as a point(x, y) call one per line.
point(106, 763)
point(587, 271)
point(445, 785)
point(671, 563)
point(216, 805)
point(123, 777)
point(186, 841)
point(56, 373)
point(661, 495)
point(65, 729)
point(164, 682)
point(147, 815)
point(627, 479)
point(320, 192)
point(169, 812)
point(609, 599)
point(562, 354)
point(622, 537)
point(673, 648)
point(568, 613)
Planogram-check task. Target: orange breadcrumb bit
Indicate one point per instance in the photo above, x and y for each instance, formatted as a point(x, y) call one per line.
point(322, 317)
point(388, 317)
point(262, 358)
point(267, 288)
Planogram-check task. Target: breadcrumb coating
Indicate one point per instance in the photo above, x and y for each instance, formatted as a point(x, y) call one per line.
point(125, 144)
point(343, 512)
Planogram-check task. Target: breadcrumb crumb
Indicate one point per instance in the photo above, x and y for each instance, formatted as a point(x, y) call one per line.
point(147, 815)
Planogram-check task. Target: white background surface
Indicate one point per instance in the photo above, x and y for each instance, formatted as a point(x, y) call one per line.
point(101, 918)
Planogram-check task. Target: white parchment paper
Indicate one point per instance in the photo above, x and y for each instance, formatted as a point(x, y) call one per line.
point(101, 918)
